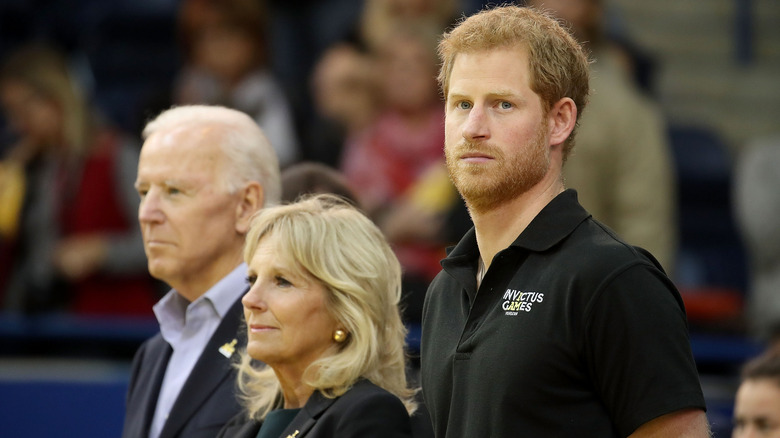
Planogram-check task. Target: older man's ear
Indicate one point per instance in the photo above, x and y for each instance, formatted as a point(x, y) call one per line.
point(251, 200)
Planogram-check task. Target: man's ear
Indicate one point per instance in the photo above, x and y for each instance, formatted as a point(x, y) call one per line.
point(562, 119)
point(251, 200)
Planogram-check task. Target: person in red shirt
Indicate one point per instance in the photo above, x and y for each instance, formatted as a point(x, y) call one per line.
point(77, 246)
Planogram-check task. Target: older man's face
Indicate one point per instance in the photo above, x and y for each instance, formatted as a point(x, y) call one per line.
point(187, 217)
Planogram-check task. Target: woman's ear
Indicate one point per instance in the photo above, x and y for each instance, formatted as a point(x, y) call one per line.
point(562, 119)
point(250, 201)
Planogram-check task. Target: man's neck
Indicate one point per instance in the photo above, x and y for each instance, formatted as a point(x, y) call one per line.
point(193, 288)
point(498, 228)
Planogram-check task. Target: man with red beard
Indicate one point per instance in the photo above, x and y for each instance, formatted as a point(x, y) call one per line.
point(543, 322)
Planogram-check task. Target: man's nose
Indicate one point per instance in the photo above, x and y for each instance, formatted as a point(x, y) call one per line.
point(149, 210)
point(476, 125)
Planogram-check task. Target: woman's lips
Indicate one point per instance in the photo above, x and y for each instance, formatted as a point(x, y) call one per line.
point(259, 328)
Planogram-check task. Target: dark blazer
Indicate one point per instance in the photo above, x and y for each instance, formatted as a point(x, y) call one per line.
point(366, 410)
point(206, 401)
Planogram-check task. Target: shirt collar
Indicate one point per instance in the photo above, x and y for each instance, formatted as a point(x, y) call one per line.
point(220, 297)
point(556, 221)
point(225, 293)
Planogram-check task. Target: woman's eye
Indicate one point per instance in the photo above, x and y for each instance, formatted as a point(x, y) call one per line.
point(282, 282)
point(251, 279)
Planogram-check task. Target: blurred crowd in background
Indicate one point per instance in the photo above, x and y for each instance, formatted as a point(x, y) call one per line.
point(679, 149)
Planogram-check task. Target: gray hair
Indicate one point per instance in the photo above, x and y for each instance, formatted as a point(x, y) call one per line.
point(249, 154)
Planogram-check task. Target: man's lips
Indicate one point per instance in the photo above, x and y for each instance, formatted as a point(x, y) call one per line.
point(475, 157)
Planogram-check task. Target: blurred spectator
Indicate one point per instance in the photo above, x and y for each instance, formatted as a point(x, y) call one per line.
point(300, 32)
point(225, 48)
point(381, 17)
point(757, 208)
point(312, 178)
point(396, 165)
point(345, 100)
point(70, 223)
point(757, 405)
point(622, 165)
point(407, 136)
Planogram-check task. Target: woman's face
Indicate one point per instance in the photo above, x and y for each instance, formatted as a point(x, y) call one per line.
point(225, 51)
point(37, 119)
point(409, 74)
point(288, 325)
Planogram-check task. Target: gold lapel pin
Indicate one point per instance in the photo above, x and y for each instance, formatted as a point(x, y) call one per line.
point(293, 435)
point(229, 348)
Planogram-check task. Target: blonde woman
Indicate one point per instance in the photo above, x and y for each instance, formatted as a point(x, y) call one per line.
point(322, 314)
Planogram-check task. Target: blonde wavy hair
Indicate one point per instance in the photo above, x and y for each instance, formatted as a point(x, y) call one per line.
point(326, 238)
point(558, 64)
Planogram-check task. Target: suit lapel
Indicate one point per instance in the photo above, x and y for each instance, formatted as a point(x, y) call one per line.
point(148, 384)
point(212, 368)
point(307, 418)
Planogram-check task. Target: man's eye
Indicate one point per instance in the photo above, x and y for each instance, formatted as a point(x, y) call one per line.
point(505, 105)
point(464, 105)
point(173, 191)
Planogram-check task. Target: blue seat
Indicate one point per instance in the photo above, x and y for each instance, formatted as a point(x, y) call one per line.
point(711, 252)
point(75, 408)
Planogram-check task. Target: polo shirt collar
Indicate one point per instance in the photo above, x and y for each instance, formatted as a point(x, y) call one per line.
point(556, 221)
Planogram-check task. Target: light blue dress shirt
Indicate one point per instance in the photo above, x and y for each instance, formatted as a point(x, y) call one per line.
point(187, 327)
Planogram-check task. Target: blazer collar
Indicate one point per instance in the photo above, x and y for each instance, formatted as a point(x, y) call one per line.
point(307, 418)
point(146, 403)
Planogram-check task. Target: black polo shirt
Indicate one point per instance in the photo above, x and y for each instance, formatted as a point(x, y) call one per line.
point(573, 332)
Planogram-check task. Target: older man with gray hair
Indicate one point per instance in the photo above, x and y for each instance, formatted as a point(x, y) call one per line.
point(203, 172)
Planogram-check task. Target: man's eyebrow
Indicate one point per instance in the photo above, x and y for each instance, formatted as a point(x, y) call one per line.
point(497, 93)
point(503, 93)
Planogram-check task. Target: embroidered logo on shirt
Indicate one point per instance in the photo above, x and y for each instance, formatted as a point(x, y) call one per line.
point(516, 301)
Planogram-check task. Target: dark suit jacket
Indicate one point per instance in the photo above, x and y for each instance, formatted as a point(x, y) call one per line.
point(207, 400)
point(366, 410)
